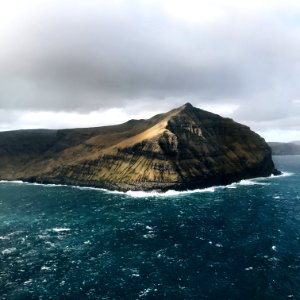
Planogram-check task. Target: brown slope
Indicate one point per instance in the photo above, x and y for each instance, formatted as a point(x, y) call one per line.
point(22, 150)
point(184, 148)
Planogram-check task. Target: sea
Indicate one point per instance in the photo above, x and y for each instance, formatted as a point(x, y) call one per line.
point(241, 241)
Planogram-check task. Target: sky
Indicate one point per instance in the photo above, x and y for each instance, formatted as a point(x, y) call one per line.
point(83, 63)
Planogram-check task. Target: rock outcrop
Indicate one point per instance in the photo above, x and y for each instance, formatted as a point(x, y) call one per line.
point(185, 148)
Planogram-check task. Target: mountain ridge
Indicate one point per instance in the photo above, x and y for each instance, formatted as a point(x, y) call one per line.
point(184, 148)
point(279, 148)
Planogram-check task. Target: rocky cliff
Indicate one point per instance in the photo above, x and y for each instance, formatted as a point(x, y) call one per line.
point(185, 148)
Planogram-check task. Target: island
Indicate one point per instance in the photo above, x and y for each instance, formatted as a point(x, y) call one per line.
point(292, 148)
point(185, 148)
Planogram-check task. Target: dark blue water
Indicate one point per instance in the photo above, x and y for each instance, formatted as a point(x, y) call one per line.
point(239, 242)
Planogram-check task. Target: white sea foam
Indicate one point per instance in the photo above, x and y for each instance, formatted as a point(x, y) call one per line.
point(248, 182)
point(12, 181)
point(283, 174)
point(50, 244)
point(169, 193)
point(33, 183)
point(274, 248)
point(149, 236)
point(29, 281)
point(244, 182)
point(145, 292)
point(59, 229)
point(8, 251)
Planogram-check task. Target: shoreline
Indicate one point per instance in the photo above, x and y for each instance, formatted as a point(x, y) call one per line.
point(154, 193)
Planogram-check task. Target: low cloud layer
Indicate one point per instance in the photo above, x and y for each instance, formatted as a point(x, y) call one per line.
point(82, 57)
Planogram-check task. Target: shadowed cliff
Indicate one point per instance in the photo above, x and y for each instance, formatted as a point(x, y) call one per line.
point(183, 149)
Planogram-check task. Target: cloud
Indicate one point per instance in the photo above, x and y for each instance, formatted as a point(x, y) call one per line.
point(85, 56)
point(13, 120)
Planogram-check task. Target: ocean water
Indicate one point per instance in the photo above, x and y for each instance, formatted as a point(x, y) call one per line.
point(235, 242)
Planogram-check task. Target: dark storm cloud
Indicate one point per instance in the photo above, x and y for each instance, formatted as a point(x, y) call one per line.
point(82, 56)
point(89, 56)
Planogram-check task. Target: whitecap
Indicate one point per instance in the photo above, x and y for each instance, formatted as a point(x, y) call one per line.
point(247, 182)
point(50, 244)
point(29, 281)
point(145, 292)
point(149, 236)
point(283, 174)
point(12, 181)
point(212, 189)
point(134, 194)
point(8, 251)
point(134, 273)
point(59, 229)
point(273, 259)
point(169, 193)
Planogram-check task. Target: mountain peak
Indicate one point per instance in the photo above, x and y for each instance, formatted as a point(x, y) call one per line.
point(188, 105)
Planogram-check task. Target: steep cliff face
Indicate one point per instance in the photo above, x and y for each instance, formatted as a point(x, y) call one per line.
point(183, 149)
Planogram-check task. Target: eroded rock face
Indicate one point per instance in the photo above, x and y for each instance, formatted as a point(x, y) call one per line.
point(183, 149)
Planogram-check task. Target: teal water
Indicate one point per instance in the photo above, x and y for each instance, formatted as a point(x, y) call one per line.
point(238, 242)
